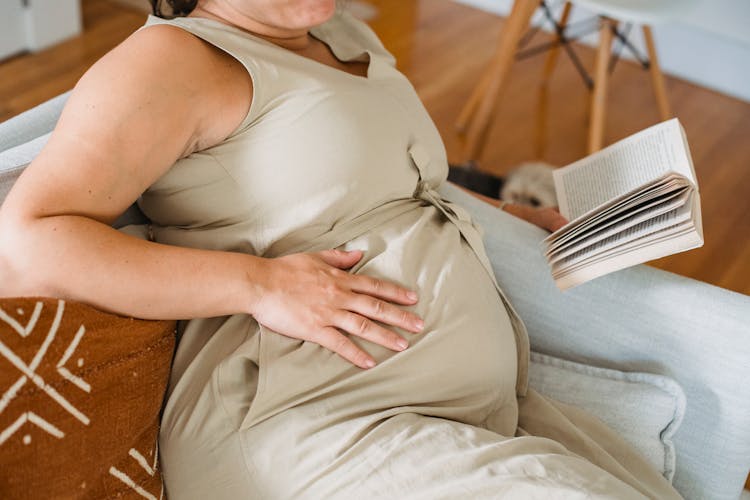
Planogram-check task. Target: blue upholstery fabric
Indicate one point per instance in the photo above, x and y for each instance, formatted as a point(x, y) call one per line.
point(31, 124)
point(15, 159)
point(618, 399)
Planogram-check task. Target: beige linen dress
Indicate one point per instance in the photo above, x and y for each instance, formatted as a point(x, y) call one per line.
point(327, 159)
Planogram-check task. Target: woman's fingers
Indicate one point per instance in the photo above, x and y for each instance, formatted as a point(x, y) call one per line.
point(546, 218)
point(335, 341)
point(364, 284)
point(311, 297)
point(387, 290)
point(385, 312)
point(553, 219)
point(369, 330)
point(383, 290)
point(341, 259)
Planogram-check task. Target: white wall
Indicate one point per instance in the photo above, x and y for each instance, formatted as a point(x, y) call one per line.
point(12, 32)
point(709, 44)
point(36, 24)
point(51, 21)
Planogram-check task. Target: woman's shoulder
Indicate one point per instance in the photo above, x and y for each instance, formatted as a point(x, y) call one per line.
point(153, 53)
point(165, 45)
point(166, 63)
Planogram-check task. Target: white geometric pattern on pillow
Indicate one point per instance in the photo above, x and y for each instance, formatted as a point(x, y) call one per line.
point(28, 373)
point(52, 349)
point(150, 469)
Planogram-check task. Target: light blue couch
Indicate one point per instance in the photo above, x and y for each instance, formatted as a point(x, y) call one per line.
point(654, 333)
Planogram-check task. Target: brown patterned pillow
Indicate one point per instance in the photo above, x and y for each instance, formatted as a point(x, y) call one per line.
point(80, 397)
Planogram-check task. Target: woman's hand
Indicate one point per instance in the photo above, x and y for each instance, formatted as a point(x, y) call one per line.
point(546, 218)
point(310, 296)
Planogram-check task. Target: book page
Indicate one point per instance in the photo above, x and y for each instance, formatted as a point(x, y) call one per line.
point(637, 231)
point(612, 210)
point(604, 231)
point(655, 249)
point(621, 168)
point(614, 255)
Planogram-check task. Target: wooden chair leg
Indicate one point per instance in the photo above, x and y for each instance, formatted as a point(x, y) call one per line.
point(599, 94)
point(657, 78)
point(467, 112)
point(517, 22)
point(549, 67)
point(551, 60)
point(541, 122)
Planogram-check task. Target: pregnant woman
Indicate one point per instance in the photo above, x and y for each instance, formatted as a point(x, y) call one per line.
point(347, 336)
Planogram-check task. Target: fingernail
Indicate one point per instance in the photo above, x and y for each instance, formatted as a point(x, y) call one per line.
point(412, 295)
point(402, 344)
point(419, 324)
point(369, 363)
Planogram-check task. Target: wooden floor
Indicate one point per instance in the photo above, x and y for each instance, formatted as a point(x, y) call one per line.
point(442, 47)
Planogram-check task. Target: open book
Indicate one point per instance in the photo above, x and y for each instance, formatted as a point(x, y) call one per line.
point(632, 202)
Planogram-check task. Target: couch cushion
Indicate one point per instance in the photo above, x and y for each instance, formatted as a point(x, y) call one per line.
point(644, 409)
point(32, 123)
point(13, 161)
point(81, 397)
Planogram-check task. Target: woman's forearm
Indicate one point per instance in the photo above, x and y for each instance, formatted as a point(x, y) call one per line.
point(77, 258)
point(309, 296)
point(492, 201)
point(544, 217)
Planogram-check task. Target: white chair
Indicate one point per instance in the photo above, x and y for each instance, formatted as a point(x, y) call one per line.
point(474, 119)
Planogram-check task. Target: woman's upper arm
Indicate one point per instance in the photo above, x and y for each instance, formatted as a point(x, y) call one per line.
point(131, 116)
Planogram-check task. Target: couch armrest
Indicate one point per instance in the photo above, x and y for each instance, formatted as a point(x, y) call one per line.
point(23, 137)
point(641, 319)
point(31, 124)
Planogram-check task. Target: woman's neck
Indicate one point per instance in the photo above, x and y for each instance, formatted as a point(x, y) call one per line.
point(291, 39)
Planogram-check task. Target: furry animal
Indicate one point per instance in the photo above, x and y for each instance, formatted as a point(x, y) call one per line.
point(530, 184)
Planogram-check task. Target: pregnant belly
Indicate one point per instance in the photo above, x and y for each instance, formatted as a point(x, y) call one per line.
point(462, 366)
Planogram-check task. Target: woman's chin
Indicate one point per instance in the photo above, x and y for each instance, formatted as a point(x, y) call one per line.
point(319, 11)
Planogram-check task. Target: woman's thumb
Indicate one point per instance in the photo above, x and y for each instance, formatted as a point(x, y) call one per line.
point(341, 258)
